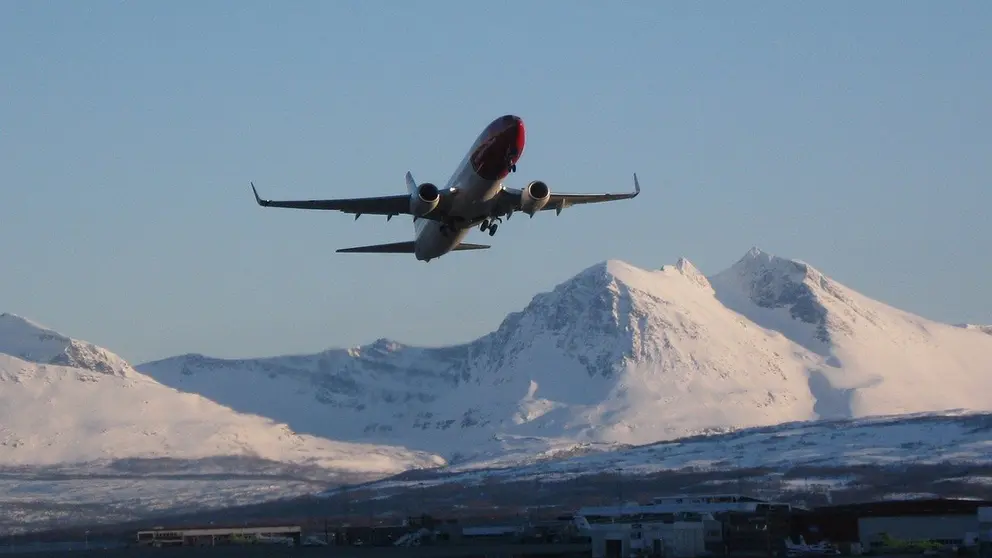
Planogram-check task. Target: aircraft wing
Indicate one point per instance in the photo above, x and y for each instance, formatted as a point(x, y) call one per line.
point(381, 205)
point(512, 198)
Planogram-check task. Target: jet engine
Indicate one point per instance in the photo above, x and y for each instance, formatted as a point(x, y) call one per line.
point(425, 199)
point(534, 197)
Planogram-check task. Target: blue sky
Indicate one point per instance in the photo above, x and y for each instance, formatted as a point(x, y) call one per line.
point(853, 135)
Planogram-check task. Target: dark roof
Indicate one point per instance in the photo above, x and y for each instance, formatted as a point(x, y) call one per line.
point(934, 506)
point(232, 526)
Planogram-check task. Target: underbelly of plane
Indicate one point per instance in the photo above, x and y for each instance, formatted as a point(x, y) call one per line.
point(475, 196)
point(434, 244)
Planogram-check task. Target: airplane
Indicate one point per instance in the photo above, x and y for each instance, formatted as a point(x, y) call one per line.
point(474, 195)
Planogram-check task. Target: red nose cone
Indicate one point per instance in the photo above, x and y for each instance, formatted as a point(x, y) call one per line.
point(521, 138)
point(501, 147)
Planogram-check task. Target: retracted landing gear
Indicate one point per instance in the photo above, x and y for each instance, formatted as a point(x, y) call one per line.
point(490, 225)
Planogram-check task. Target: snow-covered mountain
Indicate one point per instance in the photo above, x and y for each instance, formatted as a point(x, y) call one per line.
point(26, 340)
point(875, 359)
point(621, 355)
point(613, 357)
point(99, 409)
point(78, 425)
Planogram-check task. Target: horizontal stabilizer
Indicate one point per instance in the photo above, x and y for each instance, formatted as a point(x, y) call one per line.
point(392, 248)
point(467, 246)
point(402, 248)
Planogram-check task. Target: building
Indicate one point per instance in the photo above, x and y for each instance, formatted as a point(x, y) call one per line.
point(694, 503)
point(730, 522)
point(214, 536)
point(676, 529)
point(718, 503)
point(888, 523)
point(677, 540)
point(985, 532)
point(589, 520)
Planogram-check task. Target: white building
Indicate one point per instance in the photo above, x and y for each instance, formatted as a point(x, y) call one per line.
point(679, 526)
point(676, 540)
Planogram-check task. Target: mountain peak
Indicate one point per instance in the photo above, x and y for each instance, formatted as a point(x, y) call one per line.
point(756, 253)
point(761, 267)
point(692, 273)
point(604, 268)
point(384, 345)
point(598, 276)
point(685, 266)
point(13, 320)
point(756, 257)
point(772, 282)
point(32, 342)
point(603, 274)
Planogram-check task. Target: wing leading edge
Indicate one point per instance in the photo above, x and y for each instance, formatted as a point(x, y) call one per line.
point(512, 198)
point(380, 205)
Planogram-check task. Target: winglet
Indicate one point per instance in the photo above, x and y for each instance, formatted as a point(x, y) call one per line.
point(411, 184)
point(637, 185)
point(258, 200)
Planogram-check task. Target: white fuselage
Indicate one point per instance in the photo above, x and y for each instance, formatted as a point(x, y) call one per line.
point(475, 193)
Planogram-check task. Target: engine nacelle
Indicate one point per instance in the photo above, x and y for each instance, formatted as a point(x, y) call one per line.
point(425, 199)
point(534, 197)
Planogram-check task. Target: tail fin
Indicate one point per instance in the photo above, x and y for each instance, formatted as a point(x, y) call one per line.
point(411, 188)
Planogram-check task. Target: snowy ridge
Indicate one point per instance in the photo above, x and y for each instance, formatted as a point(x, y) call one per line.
point(982, 328)
point(839, 449)
point(29, 341)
